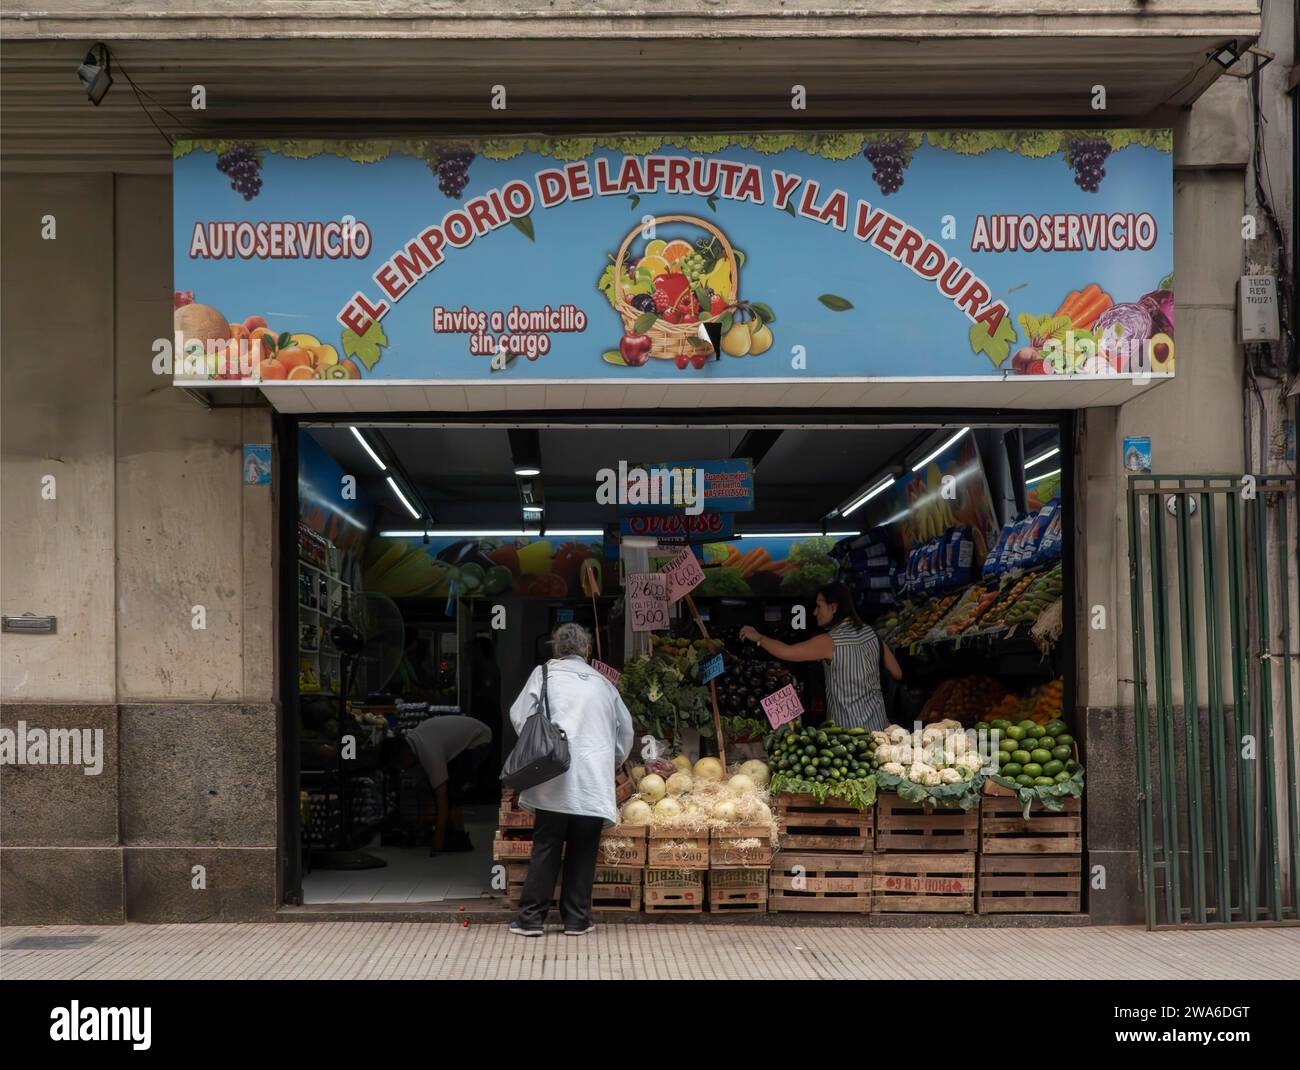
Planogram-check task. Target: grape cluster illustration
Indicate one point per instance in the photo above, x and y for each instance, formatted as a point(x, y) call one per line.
point(243, 167)
point(888, 161)
point(452, 166)
point(1086, 156)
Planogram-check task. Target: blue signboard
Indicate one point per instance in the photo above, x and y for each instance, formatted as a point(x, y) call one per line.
point(837, 255)
point(711, 669)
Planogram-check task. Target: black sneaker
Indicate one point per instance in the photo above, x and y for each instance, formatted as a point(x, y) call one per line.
point(578, 930)
point(520, 930)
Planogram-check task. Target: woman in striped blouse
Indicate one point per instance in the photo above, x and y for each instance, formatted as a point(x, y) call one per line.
point(851, 654)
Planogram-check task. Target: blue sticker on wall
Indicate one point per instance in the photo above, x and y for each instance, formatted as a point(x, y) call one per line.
point(257, 464)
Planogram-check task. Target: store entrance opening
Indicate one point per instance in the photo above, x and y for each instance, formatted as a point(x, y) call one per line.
point(434, 561)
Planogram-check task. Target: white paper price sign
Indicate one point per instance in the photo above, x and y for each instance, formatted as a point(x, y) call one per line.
point(647, 601)
point(782, 706)
point(683, 574)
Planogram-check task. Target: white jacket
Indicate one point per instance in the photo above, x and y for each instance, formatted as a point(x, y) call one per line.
point(591, 712)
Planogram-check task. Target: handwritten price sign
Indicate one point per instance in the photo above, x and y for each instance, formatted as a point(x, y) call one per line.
point(607, 671)
point(648, 601)
point(712, 669)
point(782, 706)
point(683, 574)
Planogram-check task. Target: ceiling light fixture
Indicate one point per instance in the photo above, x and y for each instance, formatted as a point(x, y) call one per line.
point(1043, 456)
point(1039, 479)
point(527, 470)
point(398, 491)
point(926, 460)
point(795, 534)
point(369, 449)
point(484, 533)
point(879, 488)
point(96, 77)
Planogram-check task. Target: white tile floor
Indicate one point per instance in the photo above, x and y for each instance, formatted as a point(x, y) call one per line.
point(411, 876)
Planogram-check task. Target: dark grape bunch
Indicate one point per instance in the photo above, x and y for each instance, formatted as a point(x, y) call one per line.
point(1086, 156)
point(452, 166)
point(643, 302)
point(244, 169)
point(888, 161)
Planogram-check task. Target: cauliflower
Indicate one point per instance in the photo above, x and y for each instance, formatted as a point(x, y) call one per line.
point(949, 776)
point(905, 754)
point(887, 753)
point(897, 733)
point(879, 738)
point(893, 769)
point(932, 733)
point(918, 772)
point(973, 762)
point(931, 779)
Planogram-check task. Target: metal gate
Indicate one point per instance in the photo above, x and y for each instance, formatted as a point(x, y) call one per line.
point(1212, 565)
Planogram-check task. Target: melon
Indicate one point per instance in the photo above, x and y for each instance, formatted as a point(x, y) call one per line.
point(652, 787)
point(202, 324)
point(682, 762)
point(638, 774)
point(637, 812)
point(669, 808)
point(756, 771)
point(726, 811)
point(709, 769)
point(679, 784)
point(742, 784)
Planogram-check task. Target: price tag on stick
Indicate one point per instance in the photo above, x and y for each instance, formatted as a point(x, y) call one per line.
point(712, 669)
point(647, 601)
point(683, 574)
point(607, 671)
point(782, 706)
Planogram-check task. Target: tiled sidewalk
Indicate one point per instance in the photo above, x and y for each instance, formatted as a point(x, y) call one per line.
point(616, 952)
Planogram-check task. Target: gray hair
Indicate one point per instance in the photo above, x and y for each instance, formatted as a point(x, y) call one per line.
point(570, 639)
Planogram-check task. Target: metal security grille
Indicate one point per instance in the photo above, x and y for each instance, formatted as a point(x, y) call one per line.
point(1212, 565)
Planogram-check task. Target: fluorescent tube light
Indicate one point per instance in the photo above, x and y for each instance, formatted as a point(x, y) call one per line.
point(879, 488)
point(1043, 456)
point(926, 460)
point(791, 535)
point(398, 491)
point(1039, 479)
point(373, 455)
point(486, 533)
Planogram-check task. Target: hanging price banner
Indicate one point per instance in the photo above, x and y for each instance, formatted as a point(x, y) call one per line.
point(607, 671)
point(647, 601)
point(683, 574)
point(782, 706)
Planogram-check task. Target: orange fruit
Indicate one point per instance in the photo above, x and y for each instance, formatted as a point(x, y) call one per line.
point(657, 265)
point(301, 371)
point(675, 250)
point(272, 369)
point(294, 357)
point(325, 356)
point(353, 371)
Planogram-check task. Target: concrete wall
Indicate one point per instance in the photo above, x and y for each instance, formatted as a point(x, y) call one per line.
point(150, 518)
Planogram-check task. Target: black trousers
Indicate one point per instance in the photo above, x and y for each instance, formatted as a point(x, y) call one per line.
point(571, 841)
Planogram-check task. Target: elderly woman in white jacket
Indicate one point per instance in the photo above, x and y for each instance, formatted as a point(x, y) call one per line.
point(572, 810)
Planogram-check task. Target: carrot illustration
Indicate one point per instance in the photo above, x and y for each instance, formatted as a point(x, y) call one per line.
point(1083, 307)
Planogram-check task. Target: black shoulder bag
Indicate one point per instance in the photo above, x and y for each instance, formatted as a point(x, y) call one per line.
point(542, 751)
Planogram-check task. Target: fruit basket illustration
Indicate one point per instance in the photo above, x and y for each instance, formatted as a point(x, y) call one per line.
point(670, 340)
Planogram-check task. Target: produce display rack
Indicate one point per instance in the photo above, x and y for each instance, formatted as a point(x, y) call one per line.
point(674, 891)
point(906, 826)
point(724, 854)
point(923, 883)
point(806, 825)
point(512, 844)
point(737, 891)
point(818, 882)
point(1030, 884)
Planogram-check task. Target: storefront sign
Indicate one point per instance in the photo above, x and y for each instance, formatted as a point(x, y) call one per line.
point(836, 255)
point(781, 706)
point(674, 527)
point(690, 487)
point(607, 671)
point(647, 601)
point(682, 574)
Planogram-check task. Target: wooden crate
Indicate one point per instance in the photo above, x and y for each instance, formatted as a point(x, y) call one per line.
point(1030, 884)
point(616, 889)
point(905, 826)
point(1004, 829)
point(923, 883)
point(733, 890)
point(678, 849)
point(673, 891)
point(512, 845)
point(724, 854)
point(624, 789)
point(622, 845)
point(821, 882)
point(807, 825)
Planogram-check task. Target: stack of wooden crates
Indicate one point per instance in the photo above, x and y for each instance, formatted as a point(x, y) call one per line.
point(825, 859)
point(925, 858)
point(1033, 865)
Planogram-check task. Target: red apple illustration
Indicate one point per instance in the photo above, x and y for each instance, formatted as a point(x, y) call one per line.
point(635, 349)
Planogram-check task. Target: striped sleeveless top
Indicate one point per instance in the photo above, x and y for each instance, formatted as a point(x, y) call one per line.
point(853, 695)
